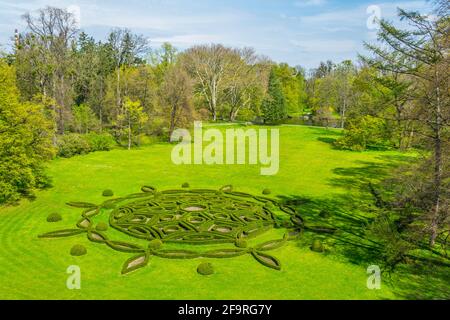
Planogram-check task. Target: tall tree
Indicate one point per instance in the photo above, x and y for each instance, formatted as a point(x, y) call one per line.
point(421, 53)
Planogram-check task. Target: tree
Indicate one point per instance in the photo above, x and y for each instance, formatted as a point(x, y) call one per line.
point(25, 141)
point(421, 53)
point(45, 53)
point(135, 117)
point(208, 65)
point(274, 105)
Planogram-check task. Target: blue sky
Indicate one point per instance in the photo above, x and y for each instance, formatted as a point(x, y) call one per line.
point(300, 32)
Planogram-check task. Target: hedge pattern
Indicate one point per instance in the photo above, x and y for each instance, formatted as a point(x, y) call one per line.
point(194, 217)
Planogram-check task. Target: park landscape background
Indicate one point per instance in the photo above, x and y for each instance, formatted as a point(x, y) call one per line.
point(363, 150)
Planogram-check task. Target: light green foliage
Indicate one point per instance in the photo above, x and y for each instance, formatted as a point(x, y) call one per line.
point(84, 118)
point(293, 87)
point(25, 141)
point(363, 133)
point(316, 163)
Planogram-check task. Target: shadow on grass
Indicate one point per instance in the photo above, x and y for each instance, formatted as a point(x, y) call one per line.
point(350, 213)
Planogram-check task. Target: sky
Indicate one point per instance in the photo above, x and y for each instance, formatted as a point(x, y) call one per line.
point(299, 32)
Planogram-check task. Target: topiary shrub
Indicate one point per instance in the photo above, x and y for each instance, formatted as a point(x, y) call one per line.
point(185, 185)
point(205, 269)
point(267, 192)
point(317, 246)
point(108, 193)
point(155, 244)
point(101, 226)
point(241, 243)
point(54, 217)
point(78, 250)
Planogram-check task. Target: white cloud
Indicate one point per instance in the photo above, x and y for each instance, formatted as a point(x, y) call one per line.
point(309, 3)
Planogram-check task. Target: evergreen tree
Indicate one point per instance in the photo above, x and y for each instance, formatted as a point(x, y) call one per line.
point(274, 105)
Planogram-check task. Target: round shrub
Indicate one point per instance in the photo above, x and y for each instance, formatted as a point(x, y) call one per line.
point(101, 226)
point(78, 250)
point(324, 214)
point(205, 269)
point(54, 217)
point(317, 246)
point(108, 193)
point(241, 243)
point(267, 192)
point(185, 185)
point(155, 244)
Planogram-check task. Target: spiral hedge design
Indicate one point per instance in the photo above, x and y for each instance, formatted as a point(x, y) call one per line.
point(195, 217)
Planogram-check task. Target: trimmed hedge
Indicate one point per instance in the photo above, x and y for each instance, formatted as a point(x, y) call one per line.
point(205, 269)
point(266, 192)
point(108, 193)
point(185, 185)
point(54, 217)
point(78, 250)
point(199, 216)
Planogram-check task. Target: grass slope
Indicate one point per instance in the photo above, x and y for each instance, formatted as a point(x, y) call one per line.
point(32, 268)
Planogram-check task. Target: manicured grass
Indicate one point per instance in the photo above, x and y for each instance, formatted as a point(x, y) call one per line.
point(32, 268)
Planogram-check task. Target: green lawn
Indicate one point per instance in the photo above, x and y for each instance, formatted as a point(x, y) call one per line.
point(311, 173)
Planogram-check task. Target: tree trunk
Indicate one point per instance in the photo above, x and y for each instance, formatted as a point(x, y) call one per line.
point(437, 164)
point(129, 133)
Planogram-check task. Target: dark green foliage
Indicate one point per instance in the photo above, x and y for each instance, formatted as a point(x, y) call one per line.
point(185, 185)
point(101, 226)
point(155, 244)
point(266, 192)
point(205, 269)
point(317, 246)
point(274, 105)
point(54, 217)
point(78, 250)
point(108, 193)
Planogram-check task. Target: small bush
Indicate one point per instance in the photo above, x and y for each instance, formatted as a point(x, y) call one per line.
point(108, 193)
point(100, 142)
point(101, 226)
point(267, 192)
point(54, 217)
point(205, 269)
point(185, 185)
point(78, 250)
point(155, 244)
point(317, 246)
point(72, 144)
point(241, 243)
